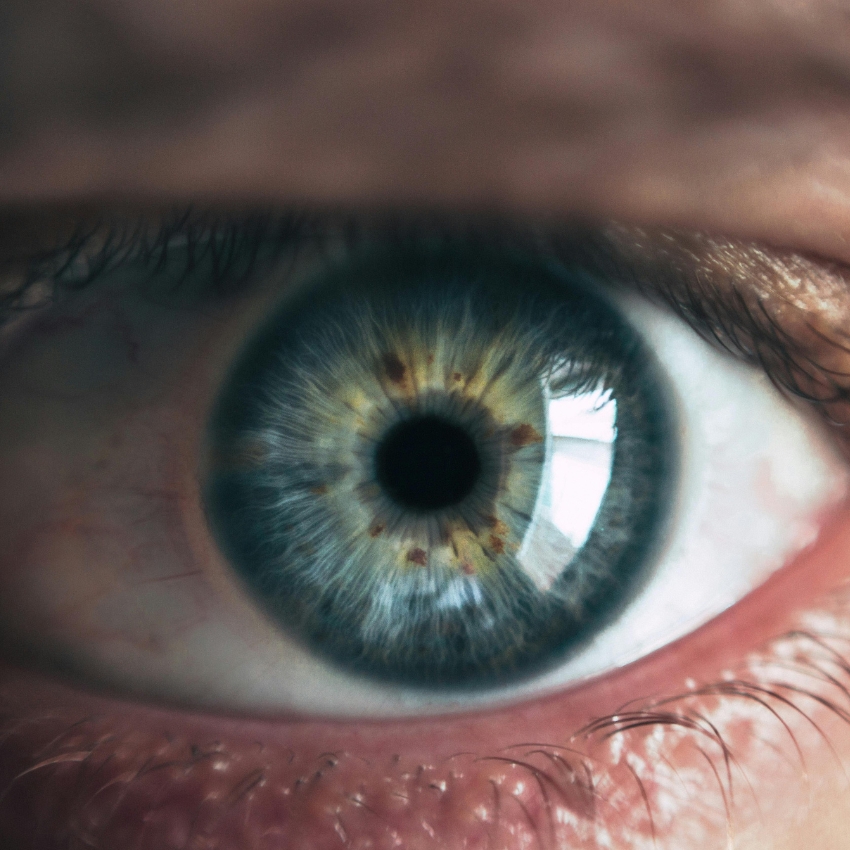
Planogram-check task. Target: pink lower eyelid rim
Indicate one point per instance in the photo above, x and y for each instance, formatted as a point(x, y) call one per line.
point(112, 775)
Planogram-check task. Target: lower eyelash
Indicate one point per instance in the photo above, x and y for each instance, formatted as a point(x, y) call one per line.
point(673, 769)
point(777, 692)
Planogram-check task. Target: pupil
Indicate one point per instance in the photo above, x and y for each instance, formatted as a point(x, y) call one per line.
point(427, 463)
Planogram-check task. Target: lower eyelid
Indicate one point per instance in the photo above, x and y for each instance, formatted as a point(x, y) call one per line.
point(92, 767)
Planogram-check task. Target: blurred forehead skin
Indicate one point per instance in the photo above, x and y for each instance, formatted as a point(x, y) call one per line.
point(731, 116)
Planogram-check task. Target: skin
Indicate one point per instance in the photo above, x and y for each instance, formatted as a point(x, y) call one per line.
point(730, 118)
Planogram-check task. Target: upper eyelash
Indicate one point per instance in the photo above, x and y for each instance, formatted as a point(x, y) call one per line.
point(744, 308)
point(94, 248)
point(230, 244)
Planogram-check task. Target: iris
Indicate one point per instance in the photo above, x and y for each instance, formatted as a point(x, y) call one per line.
point(447, 465)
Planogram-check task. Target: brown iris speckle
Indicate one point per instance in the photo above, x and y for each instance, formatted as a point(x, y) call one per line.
point(457, 376)
point(524, 435)
point(319, 490)
point(496, 524)
point(418, 556)
point(394, 369)
point(497, 544)
point(375, 530)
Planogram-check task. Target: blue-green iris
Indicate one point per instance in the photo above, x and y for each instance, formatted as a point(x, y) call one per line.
point(378, 452)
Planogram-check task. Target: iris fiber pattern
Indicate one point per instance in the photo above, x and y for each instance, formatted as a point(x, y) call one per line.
point(342, 521)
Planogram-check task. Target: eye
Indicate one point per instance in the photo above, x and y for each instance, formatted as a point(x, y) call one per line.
point(394, 475)
point(392, 465)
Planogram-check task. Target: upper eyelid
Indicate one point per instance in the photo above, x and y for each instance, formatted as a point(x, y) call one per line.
point(776, 308)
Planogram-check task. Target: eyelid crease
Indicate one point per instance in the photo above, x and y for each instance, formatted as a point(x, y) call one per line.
point(773, 307)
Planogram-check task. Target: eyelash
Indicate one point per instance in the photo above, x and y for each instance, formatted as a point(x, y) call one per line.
point(567, 775)
point(232, 246)
point(711, 300)
point(93, 249)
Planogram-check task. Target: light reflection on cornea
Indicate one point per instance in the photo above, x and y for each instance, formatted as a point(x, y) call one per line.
point(581, 431)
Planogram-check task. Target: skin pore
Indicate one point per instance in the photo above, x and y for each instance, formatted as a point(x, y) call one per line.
point(726, 118)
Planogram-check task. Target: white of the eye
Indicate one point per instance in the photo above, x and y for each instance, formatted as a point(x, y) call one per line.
point(756, 474)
